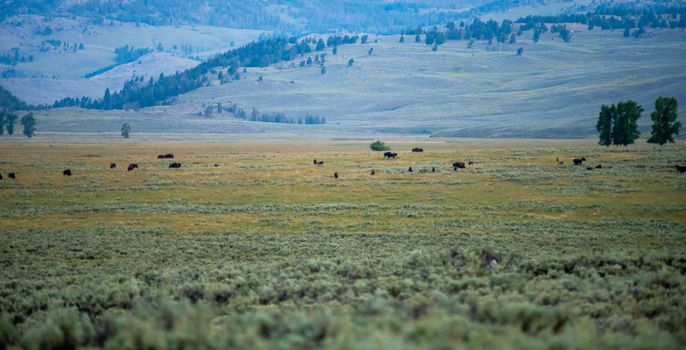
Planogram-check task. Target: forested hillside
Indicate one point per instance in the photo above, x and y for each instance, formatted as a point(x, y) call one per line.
point(281, 15)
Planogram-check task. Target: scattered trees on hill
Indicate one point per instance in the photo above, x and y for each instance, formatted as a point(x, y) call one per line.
point(665, 123)
point(520, 51)
point(138, 93)
point(617, 125)
point(351, 62)
point(125, 130)
point(29, 124)
point(379, 146)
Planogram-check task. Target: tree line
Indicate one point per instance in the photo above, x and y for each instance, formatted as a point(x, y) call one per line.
point(632, 17)
point(618, 124)
point(256, 116)
point(138, 93)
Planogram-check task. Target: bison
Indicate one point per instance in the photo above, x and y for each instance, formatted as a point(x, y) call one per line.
point(680, 168)
point(390, 155)
point(66, 172)
point(113, 165)
point(579, 161)
point(589, 168)
point(166, 156)
point(12, 176)
point(0, 176)
point(335, 175)
point(175, 166)
point(409, 170)
point(373, 172)
point(599, 166)
point(433, 169)
point(458, 165)
point(417, 150)
point(132, 166)
point(315, 162)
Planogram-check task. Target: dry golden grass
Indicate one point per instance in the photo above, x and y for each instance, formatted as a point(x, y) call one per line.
point(511, 180)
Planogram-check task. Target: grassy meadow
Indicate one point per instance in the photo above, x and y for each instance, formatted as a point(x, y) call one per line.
point(266, 250)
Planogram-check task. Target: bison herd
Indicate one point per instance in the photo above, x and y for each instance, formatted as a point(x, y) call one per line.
point(387, 155)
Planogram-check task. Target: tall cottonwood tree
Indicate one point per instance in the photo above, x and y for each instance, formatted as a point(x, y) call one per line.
point(604, 125)
point(665, 124)
point(625, 123)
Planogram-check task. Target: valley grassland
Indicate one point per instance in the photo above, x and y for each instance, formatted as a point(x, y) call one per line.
point(266, 250)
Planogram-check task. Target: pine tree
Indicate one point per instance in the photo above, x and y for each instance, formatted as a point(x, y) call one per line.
point(29, 123)
point(107, 99)
point(665, 123)
point(417, 38)
point(604, 125)
point(402, 38)
point(320, 45)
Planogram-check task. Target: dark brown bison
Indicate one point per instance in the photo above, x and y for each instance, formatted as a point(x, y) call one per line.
point(113, 165)
point(66, 172)
point(216, 165)
point(599, 166)
point(335, 175)
point(315, 162)
point(409, 170)
point(175, 166)
point(458, 165)
point(579, 161)
point(433, 169)
point(12, 176)
point(390, 155)
point(680, 168)
point(589, 168)
point(166, 156)
point(470, 163)
point(373, 172)
point(132, 166)
point(0, 176)
point(417, 150)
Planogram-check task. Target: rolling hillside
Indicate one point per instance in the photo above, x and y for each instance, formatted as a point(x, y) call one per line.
point(553, 90)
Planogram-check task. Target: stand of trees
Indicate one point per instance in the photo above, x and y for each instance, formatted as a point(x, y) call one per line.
point(138, 93)
point(628, 16)
point(9, 120)
point(617, 124)
point(125, 54)
point(256, 116)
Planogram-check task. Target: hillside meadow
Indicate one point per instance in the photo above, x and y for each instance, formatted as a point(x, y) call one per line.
point(249, 245)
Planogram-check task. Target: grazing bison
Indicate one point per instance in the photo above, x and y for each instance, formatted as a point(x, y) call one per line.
point(132, 166)
point(166, 156)
point(458, 165)
point(113, 165)
point(216, 165)
point(12, 176)
point(0, 176)
point(579, 161)
point(589, 168)
point(373, 172)
point(335, 175)
point(175, 166)
point(66, 172)
point(315, 162)
point(680, 168)
point(409, 170)
point(599, 166)
point(433, 169)
point(470, 163)
point(390, 155)
point(417, 150)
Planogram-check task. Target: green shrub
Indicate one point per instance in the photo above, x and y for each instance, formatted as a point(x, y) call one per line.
point(379, 146)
